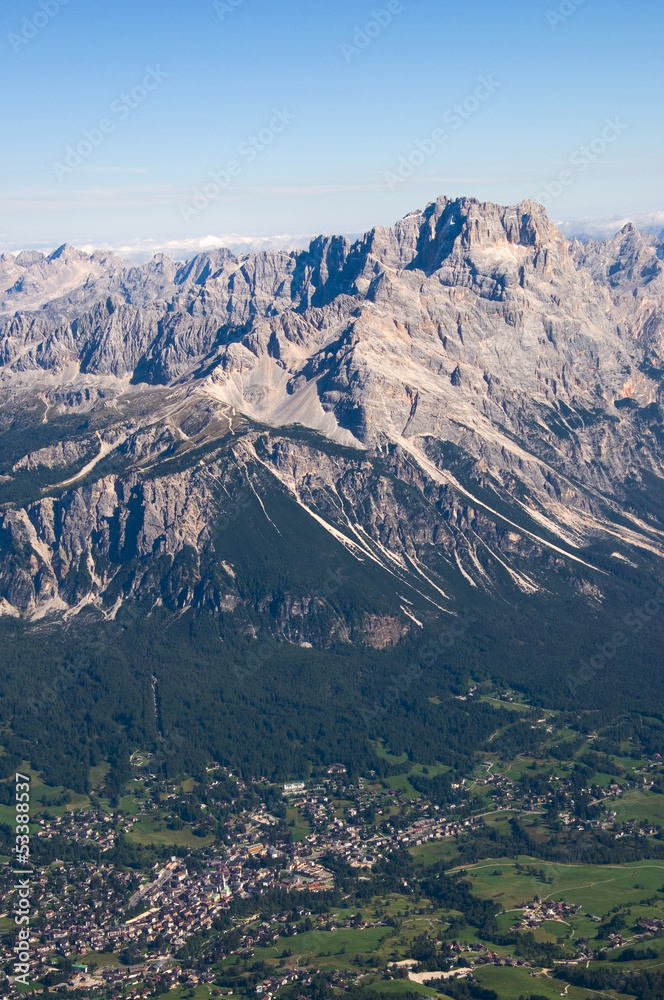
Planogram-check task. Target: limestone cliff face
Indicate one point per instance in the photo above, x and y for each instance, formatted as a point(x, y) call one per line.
point(463, 402)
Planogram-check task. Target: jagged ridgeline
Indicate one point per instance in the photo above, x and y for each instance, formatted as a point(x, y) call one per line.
point(267, 508)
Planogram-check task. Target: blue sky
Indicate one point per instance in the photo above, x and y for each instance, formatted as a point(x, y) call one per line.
point(339, 113)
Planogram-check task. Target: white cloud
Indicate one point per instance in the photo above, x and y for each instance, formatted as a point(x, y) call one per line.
point(139, 250)
point(182, 249)
point(604, 228)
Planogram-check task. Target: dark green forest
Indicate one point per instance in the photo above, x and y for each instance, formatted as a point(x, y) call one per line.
point(187, 687)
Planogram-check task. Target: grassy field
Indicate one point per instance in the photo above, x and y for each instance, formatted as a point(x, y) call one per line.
point(329, 949)
point(301, 828)
point(198, 993)
point(510, 984)
point(500, 819)
point(129, 805)
point(145, 832)
point(639, 806)
point(433, 851)
point(98, 773)
point(426, 770)
point(429, 770)
point(511, 706)
point(44, 796)
point(371, 946)
point(401, 784)
point(597, 888)
point(8, 815)
point(388, 987)
point(344, 941)
point(33, 987)
point(382, 751)
point(604, 780)
point(106, 959)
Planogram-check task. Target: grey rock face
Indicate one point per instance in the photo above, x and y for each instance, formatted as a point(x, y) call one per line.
point(464, 400)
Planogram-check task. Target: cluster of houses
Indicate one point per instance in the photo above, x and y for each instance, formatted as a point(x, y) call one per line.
point(340, 980)
point(648, 925)
point(86, 825)
point(349, 836)
point(536, 912)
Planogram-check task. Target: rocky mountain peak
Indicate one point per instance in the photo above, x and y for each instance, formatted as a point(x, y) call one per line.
point(26, 258)
point(444, 398)
point(67, 253)
point(630, 259)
